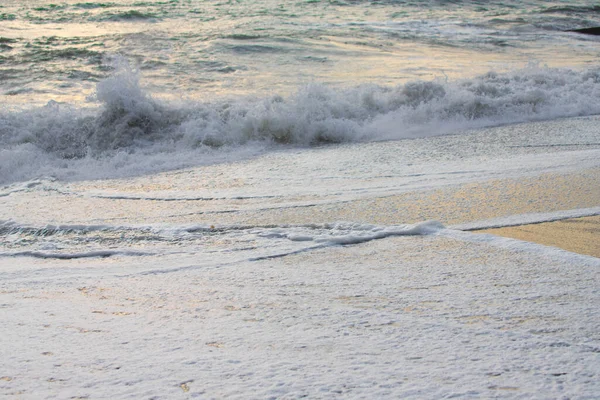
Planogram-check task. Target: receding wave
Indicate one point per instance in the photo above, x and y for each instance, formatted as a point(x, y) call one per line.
point(131, 132)
point(80, 241)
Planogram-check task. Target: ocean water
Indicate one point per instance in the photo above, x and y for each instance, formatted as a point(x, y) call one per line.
point(206, 80)
point(261, 199)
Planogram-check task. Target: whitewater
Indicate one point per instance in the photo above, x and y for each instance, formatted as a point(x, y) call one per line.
point(260, 199)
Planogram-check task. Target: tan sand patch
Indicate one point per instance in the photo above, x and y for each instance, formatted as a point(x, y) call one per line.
point(579, 235)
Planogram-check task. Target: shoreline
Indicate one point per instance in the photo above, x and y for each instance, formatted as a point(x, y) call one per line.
point(578, 235)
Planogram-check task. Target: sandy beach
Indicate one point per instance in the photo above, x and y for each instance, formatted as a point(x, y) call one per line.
point(580, 235)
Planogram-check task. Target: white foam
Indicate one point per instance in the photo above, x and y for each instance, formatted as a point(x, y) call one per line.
point(349, 233)
point(72, 256)
point(132, 133)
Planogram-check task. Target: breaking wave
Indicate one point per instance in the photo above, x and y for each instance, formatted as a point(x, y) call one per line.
point(130, 132)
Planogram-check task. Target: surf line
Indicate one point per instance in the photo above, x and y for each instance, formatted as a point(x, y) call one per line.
point(526, 219)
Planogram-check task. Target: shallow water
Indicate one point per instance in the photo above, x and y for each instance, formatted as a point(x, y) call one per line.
point(287, 196)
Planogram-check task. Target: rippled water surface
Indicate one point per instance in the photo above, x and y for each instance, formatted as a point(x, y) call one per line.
point(201, 48)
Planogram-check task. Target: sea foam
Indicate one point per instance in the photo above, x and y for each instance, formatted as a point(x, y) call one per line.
point(130, 132)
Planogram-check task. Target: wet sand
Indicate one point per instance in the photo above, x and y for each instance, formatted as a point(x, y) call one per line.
point(579, 235)
point(452, 205)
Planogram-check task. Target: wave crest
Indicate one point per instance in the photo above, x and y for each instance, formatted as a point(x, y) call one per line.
point(129, 121)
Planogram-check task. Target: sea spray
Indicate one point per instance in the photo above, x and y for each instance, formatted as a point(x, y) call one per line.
point(133, 132)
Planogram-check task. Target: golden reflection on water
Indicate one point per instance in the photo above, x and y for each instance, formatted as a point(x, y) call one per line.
point(334, 44)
